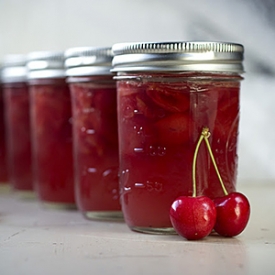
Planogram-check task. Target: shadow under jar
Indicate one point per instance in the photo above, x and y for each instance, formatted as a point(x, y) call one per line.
point(93, 93)
point(167, 93)
point(51, 126)
point(17, 123)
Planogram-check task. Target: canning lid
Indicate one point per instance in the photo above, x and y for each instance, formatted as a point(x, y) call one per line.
point(178, 56)
point(45, 64)
point(86, 61)
point(14, 68)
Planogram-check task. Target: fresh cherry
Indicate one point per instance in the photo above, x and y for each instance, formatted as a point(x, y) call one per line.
point(233, 211)
point(193, 217)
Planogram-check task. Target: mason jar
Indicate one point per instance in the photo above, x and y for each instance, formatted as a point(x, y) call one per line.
point(51, 127)
point(167, 94)
point(93, 93)
point(17, 123)
point(4, 186)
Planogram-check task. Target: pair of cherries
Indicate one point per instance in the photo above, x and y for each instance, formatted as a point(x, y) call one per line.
point(195, 217)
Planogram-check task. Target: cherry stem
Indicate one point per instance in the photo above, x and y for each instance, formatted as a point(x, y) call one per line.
point(206, 134)
point(194, 165)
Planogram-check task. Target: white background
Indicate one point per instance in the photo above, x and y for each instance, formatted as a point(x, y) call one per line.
point(31, 25)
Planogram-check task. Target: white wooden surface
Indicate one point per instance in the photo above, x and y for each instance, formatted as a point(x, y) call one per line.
point(36, 241)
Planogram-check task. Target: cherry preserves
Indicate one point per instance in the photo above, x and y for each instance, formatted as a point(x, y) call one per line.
point(3, 157)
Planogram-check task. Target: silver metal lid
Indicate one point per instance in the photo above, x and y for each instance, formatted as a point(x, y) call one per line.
point(85, 61)
point(14, 68)
point(178, 56)
point(46, 64)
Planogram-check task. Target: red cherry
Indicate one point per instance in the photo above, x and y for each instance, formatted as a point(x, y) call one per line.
point(233, 211)
point(193, 217)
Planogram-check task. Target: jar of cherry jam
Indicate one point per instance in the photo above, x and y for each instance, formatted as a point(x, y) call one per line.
point(17, 121)
point(4, 186)
point(51, 125)
point(93, 93)
point(168, 93)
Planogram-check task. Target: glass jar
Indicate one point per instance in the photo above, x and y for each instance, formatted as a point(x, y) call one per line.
point(4, 186)
point(93, 93)
point(167, 93)
point(51, 125)
point(17, 120)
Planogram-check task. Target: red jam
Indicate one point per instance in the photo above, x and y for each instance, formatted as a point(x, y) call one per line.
point(95, 146)
point(160, 119)
point(3, 160)
point(16, 100)
point(52, 140)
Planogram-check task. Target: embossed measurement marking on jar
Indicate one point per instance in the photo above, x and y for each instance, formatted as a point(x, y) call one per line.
point(150, 186)
point(152, 150)
point(157, 150)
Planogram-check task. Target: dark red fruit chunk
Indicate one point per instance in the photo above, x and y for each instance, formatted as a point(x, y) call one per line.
point(193, 217)
point(174, 99)
point(233, 211)
point(173, 129)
